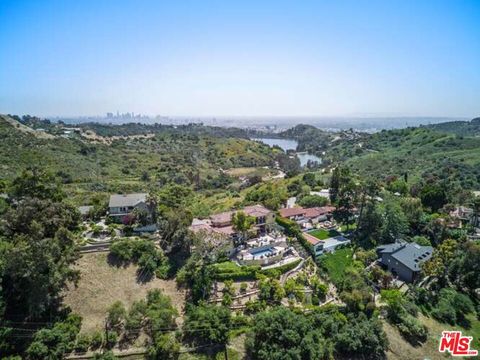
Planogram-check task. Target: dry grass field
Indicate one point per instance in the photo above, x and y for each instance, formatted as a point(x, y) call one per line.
point(400, 349)
point(102, 284)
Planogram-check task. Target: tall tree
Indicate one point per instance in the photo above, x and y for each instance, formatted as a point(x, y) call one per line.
point(36, 232)
point(242, 223)
point(334, 185)
point(476, 211)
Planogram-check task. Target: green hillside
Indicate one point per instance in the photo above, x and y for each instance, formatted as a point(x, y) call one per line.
point(186, 155)
point(418, 152)
point(461, 128)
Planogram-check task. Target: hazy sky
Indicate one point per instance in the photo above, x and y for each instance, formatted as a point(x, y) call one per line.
point(240, 57)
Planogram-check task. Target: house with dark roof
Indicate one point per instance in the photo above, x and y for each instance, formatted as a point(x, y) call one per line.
point(404, 259)
point(122, 205)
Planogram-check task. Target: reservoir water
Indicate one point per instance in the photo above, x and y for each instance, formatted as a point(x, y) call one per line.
point(289, 144)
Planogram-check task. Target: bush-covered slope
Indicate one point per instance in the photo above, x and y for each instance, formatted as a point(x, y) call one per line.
point(189, 155)
point(419, 152)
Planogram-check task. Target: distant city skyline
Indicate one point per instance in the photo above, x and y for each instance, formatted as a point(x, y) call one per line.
point(241, 59)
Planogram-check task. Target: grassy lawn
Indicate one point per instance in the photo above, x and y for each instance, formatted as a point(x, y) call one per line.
point(351, 227)
point(323, 234)
point(337, 262)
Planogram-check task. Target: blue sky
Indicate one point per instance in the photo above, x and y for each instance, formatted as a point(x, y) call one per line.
point(260, 58)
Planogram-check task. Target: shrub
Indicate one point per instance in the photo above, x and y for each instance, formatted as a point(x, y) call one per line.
point(309, 201)
point(116, 314)
point(83, 343)
point(96, 340)
point(148, 257)
point(291, 228)
point(243, 288)
point(412, 329)
point(111, 339)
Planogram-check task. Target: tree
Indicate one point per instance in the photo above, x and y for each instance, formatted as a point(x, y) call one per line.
point(164, 347)
point(291, 165)
point(116, 314)
point(398, 186)
point(207, 324)
point(282, 334)
point(394, 221)
point(345, 202)
point(173, 227)
point(452, 306)
point(198, 276)
point(242, 223)
point(271, 291)
point(334, 185)
point(476, 211)
point(433, 196)
point(362, 336)
point(160, 313)
point(465, 267)
point(54, 343)
point(313, 201)
point(174, 196)
point(442, 258)
point(369, 225)
point(413, 211)
point(36, 235)
point(36, 183)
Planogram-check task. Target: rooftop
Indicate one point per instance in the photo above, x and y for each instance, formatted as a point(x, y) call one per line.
point(411, 255)
point(121, 200)
point(307, 212)
point(311, 239)
point(294, 211)
point(253, 210)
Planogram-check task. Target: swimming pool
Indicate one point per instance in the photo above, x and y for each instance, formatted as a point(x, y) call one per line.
point(261, 253)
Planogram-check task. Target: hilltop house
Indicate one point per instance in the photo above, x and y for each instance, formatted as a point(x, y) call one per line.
point(404, 259)
point(265, 250)
point(222, 223)
point(121, 206)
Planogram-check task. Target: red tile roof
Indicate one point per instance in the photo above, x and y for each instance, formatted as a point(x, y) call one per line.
point(253, 210)
point(296, 211)
point(326, 209)
point(308, 213)
point(311, 239)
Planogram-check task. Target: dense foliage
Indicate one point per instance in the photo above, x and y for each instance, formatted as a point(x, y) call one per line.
point(283, 334)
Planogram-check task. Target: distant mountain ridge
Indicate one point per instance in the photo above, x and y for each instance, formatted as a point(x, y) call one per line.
point(462, 128)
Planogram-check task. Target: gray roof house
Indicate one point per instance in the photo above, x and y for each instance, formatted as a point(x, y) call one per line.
point(404, 259)
point(121, 205)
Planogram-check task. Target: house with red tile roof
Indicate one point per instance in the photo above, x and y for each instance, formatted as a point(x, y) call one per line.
point(307, 215)
point(222, 223)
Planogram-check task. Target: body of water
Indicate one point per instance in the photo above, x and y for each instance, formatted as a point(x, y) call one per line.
point(289, 144)
point(285, 144)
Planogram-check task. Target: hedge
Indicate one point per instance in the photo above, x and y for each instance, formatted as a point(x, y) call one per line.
point(230, 271)
point(241, 273)
point(281, 269)
point(291, 228)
